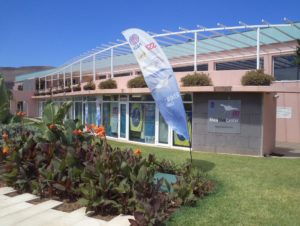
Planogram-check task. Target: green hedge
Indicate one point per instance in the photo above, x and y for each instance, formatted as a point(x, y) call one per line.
point(108, 84)
point(196, 79)
point(256, 78)
point(137, 82)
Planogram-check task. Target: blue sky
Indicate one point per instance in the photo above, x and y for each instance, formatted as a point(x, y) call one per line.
point(50, 32)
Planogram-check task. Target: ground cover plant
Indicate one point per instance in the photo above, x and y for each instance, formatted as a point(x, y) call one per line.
point(62, 159)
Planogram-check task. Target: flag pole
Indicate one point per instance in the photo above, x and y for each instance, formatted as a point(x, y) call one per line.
point(191, 157)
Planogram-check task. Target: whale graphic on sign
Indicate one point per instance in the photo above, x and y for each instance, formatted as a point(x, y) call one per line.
point(228, 107)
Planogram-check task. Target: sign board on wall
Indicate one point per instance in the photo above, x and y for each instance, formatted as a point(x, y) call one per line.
point(224, 116)
point(284, 112)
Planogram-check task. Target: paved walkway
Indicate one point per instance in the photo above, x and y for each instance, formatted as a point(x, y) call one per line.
point(287, 149)
point(16, 211)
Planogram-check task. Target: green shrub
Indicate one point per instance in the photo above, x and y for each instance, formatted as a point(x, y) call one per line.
point(137, 82)
point(108, 84)
point(77, 88)
point(196, 79)
point(256, 78)
point(89, 86)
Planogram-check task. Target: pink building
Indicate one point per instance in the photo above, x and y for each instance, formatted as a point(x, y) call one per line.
point(266, 113)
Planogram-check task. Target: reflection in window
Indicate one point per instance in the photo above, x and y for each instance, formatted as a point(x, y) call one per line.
point(179, 140)
point(249, 64)
point(162, 130)
point(91, 117)
point(142, 122)
point(110, 118)
point(285, 68)
point(78, 111)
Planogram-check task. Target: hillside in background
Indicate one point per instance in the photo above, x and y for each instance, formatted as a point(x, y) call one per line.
point(10, 73)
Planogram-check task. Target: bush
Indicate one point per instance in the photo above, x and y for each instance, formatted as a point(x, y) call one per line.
point(196, 79)
point(77, 88)
point(89, 86)
point(137, 82)
point(108, 84)
point(256, 78)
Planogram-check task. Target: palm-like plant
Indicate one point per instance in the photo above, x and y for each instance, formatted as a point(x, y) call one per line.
point(4, 101)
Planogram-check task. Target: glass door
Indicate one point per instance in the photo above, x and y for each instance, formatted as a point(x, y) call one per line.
point(123, 119)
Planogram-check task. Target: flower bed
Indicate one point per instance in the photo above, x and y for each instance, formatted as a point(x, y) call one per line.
point(66, 160)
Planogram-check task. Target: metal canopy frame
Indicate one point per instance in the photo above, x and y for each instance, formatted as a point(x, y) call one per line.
point(182, 44)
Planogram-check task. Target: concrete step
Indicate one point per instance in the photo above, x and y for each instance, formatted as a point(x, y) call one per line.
point(19, 216)
point(46, 217)
point(17, 199)
point(14, 208)
point(6, 190)
point(121, 220)
point(88, 221)
point(4, 197)
point(70, 219)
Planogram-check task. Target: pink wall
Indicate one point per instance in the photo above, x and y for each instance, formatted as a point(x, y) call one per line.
point(269, 123)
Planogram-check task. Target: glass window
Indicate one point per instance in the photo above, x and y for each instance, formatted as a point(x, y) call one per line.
point(141, 98)
point(285, 68)
point(249, 64)
point(186, 97)
point(200, 67)
point(123, 97)
point(91, 117)
point(110, 118)
point(78, 111)
point(111, 98)
point(123, 120)
point(163, 130)
point(142, 122)
point(178, 140)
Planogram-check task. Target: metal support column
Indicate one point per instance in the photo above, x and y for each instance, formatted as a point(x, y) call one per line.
point(195, 51)
point(112, 62)
point(80, 71)
point(39, 83)
point(94, 67)
point(64, 79)
point(257, 48)
point(71, 76)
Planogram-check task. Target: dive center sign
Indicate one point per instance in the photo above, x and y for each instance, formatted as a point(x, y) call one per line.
point(224, 116)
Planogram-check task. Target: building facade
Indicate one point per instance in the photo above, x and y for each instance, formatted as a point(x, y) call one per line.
point(226, 117)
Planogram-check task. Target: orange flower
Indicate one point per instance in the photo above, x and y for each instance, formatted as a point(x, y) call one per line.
point(77, 132)
point(5, 150)
point(137, 152)
point(21, 113)
point(99, 129)
point(88, 129)
point(52, 126)
point(101, 133)
point(93, 126)
point(5, 136)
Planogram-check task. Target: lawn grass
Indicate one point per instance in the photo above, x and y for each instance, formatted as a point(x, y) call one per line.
point(250, 190)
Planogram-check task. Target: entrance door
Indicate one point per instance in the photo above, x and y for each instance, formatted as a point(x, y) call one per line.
point(123, 119)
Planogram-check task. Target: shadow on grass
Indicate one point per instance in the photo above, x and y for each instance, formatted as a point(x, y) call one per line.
point(204, 166)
